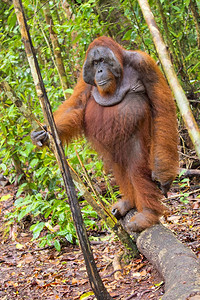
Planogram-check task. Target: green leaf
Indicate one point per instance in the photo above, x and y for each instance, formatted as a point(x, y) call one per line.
point(57, 245)
point(62, 217)
point(37, 228)
point(70, 91)
point(86, 295)
point(63, 232)
point(69, 237)
point(48, 212)
point(21, 189)
point(196, 65)
point(187, 3)
point(127, 35)
point(5, 197)
point(19, 246)
point(41, 171)
point(49, 226)
point(159, 284)
point(22, 214)
point(3, 167)
point(34, 162)
point(43, 243)
point(22, 201)
point(12, 19)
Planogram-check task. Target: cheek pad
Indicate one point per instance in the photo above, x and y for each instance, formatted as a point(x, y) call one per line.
point(88, 72)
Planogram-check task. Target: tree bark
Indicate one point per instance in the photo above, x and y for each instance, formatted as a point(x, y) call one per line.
point(176, 263)
point(196, 18)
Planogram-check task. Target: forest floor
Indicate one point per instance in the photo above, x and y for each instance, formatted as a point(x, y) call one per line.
point(29, 272)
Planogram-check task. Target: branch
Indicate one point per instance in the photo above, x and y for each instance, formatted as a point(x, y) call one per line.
point(176, 263)
point(190, 172)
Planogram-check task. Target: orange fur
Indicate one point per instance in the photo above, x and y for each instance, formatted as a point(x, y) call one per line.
point(69, 117)
point(136, 137)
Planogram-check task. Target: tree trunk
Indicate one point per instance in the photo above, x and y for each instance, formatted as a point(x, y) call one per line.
point(176, 263)
point(196, 18)
point(56, 50)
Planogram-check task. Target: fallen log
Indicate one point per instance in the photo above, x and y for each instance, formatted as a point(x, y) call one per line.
point(175, 262)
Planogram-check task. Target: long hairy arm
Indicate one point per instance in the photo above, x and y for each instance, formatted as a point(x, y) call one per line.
point(70, 114)
point(69, 117)
point(164, 154)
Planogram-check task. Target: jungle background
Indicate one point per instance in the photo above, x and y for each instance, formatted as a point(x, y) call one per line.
point(39, 254)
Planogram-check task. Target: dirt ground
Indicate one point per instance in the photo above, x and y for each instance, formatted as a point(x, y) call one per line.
point(29, 272)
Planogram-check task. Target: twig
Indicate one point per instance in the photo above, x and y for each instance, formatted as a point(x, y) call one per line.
point(186, 155)
point(91, 185)
point(112, 273)
point(131, 296)
point(190, 171)
point(180, 195)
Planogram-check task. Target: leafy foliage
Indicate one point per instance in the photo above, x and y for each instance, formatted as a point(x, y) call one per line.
point(41, 191)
